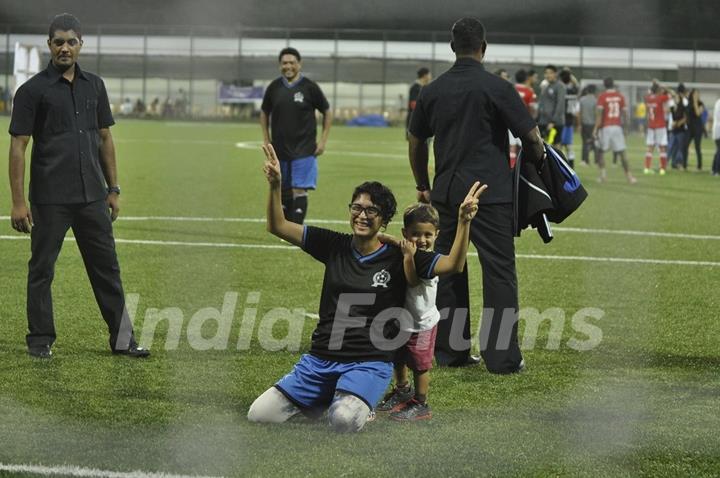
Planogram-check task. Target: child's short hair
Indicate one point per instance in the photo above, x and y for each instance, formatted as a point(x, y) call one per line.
point(420, 212)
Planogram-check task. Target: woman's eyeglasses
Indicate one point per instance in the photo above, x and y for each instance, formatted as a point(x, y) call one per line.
point(371, 212)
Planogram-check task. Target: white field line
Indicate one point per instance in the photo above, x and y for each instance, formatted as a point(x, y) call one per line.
point(392, 145)
point(552, 257)
point(87, 472)
point(580, 230)
point(256, 145)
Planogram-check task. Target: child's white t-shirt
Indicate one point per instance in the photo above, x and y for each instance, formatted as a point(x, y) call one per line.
point(420, 302)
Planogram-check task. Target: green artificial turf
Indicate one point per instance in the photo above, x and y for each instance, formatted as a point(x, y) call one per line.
point(643, 402)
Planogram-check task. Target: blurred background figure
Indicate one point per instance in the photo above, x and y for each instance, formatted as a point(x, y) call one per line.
point(502, 73)
point(572, 108)
point(587, 103)
point(126, 107)
point(716, 137)
point(679, 135)
point(423, 78)
point(695, 126)
point(551, 106)
point(524, 86)
point(657, 134)
point(639, 116)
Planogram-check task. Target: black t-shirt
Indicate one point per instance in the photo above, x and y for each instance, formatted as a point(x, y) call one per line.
point(694, 122)
point(412, 100)
point(679, 111)
point(469, 111)
point(357, 289)
point(291, 107)
point(64, 120)
point(571, 104)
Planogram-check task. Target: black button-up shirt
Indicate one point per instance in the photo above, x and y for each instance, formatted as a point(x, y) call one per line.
point(469, 112)
point(64, 120)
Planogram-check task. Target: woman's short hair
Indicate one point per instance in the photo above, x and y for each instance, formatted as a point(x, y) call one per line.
point(381, 196)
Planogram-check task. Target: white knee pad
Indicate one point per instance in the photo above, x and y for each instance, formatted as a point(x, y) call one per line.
point(272, 407)
point(347, 413)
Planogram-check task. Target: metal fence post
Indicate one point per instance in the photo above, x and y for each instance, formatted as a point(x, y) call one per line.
point(384, 74)
point(7, 65)
point(532, 50)
point(192, 73)
point(336, 65)
point(433, 39)
point(144, 65)
point(97, 60)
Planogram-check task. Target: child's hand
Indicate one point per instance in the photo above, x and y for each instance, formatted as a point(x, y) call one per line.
point(408, 248)
point(271, 168)
point(469, 206)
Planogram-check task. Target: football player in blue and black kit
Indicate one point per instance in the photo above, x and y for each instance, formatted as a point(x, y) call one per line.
point(349, 364)
point(288, 116)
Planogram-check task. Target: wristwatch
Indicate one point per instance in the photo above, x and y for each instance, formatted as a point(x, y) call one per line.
point(114, 189)
point(422, 187)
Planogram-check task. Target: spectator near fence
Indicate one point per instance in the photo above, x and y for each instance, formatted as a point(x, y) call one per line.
point(423, 78)
point(657, 134)
point(716, 137)
point(679, 135)
point(695, 126)
point(611, 120)
point(588, 102)
point(551, 106)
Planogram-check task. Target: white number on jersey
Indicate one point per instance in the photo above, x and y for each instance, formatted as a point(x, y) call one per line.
point(613, 109)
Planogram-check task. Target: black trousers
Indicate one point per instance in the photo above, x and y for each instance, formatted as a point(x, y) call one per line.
point(588, 142)
point(92, 227)
point(716, 160)
point(491, 233)
point(694, 136)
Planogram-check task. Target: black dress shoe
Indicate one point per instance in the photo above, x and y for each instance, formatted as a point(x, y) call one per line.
point(133, 351)
point(521, 367)
point(473, 360)
point(468, 361)
point(40, 351)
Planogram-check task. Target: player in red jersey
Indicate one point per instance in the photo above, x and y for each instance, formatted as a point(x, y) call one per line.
point(524, 87)
point(610, 116)
point(656, 126)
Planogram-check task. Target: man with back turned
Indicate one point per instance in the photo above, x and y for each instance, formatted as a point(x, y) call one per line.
point(469, 110)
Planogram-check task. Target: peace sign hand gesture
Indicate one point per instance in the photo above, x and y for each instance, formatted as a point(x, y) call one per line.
point(469, 206)
point(271, 168)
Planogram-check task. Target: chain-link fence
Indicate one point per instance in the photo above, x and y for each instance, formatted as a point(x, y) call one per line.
point(179, 71)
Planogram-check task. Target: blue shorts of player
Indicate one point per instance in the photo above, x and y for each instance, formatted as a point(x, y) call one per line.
point(567, 135)
point(299, 173)
point(313, 381)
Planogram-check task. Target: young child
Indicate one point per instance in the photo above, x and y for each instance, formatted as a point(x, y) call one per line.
point(421, 223)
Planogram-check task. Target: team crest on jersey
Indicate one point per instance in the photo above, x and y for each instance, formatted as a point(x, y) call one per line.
point(299, 97)
point(381, 279)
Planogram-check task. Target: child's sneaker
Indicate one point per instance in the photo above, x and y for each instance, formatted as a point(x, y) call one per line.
point(395, 399)
point(412, 411)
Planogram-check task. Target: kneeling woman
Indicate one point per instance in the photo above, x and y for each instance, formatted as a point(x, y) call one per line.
point(349, 365)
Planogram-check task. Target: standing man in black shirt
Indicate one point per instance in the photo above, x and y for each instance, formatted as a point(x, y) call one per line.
point(423, 78)
point(469, 111)
point(288, 114)
point(73, 184)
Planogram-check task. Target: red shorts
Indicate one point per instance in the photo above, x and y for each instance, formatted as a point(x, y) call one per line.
point(418, 352)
